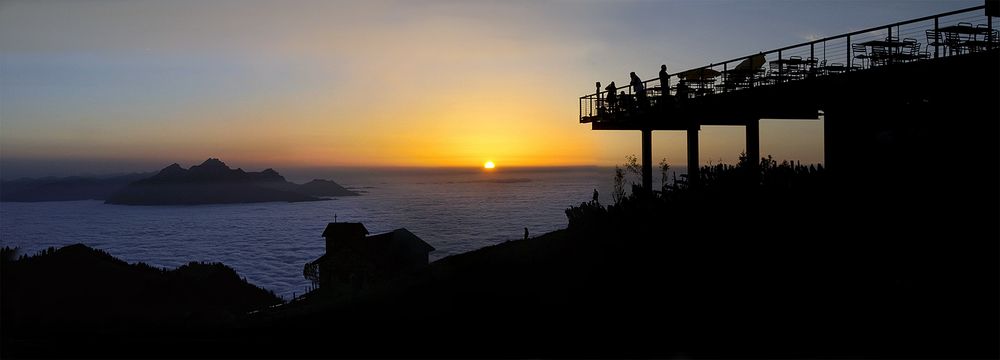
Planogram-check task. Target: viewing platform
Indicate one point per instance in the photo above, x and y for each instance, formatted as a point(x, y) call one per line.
point(865, 74)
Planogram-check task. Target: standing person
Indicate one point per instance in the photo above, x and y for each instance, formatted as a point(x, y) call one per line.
point(638, 90)
point(666, 100)
point(625, 102)
point(525, 233)
point(682, 90)
point(636, 83)
point(664, 80)
point(612, 97)
point(597, 94)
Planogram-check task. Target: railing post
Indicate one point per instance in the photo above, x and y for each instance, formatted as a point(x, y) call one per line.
point(725, 77)
point(597, 97)
point(989, 36)
point(812, 59)
point(781, 70)
point(850, 61)
point(937, 38)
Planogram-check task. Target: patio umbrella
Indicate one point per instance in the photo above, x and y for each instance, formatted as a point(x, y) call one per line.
point(699, 74)
point(750, 63)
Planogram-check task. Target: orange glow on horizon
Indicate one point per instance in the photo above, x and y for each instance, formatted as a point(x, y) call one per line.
point(489, 165)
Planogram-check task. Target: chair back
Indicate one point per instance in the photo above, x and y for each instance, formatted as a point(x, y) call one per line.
point(933, 37)
point(911, 46)
point(859, 48)
point(982, 32)
point(966, 36)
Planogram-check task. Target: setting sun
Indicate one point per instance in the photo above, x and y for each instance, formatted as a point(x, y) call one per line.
point(489, 165)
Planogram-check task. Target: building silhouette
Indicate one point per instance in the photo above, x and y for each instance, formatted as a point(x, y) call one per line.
point(354, 260)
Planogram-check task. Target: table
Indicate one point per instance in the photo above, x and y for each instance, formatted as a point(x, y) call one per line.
point(893, 46)
point(795, 61)
point(791, 68)
point(695, 86)
point(833, 69)
point(964, 30)
point(972, 42)
point(698, 82)
point(741, 77)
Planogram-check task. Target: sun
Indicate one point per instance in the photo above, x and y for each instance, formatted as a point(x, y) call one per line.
point(489, 165)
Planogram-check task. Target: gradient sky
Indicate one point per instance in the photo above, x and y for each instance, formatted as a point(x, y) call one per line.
point(136, 85)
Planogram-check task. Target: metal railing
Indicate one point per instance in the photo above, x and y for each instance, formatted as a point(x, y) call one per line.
point(947, 34)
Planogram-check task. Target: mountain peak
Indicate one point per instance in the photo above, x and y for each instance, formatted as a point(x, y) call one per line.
point(174, 169)
point(213, 163)
point(267, 175)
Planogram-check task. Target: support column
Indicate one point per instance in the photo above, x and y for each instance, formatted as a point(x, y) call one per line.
point(647, 160)
point(753, 141)
point(831, 141)
point(693, 178)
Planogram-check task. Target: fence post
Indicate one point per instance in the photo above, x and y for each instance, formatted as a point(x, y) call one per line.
point(781, 68)
point(812, 59)
point(989, 36)
point(937, 38)
point(850, 61)
point(725, 77)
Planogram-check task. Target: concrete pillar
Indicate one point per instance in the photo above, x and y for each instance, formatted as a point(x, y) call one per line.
point(753, 141)
point(647, 160)
point(693, 155)
point(830, 141)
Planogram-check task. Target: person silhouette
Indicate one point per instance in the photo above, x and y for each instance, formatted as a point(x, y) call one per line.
point(682, 90)
point(625, 101)
point(595, 197)
point(638, 90)
point(612, 98)
point(525, 233)
point(664, 80)
point(597, 95)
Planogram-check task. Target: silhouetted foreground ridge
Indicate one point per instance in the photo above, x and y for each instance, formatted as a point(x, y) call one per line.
point(763, 260)
point(213, 182)
point(76, 291)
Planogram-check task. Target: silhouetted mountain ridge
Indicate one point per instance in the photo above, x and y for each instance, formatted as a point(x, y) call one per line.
point(214, 182)
point(320, 187)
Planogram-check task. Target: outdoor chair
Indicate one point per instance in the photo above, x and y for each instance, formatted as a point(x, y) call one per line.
point(861, 53)
point(955, 43)
point(933, 39)
point(880, 55)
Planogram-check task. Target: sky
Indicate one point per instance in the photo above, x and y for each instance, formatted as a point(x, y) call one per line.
point(115, 86)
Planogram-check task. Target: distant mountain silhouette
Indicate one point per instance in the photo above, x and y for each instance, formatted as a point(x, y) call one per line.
point(320, 187)
point(213, 182)
point(64, 188)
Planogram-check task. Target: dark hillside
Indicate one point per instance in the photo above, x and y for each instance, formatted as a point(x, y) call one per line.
point(81, 292)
